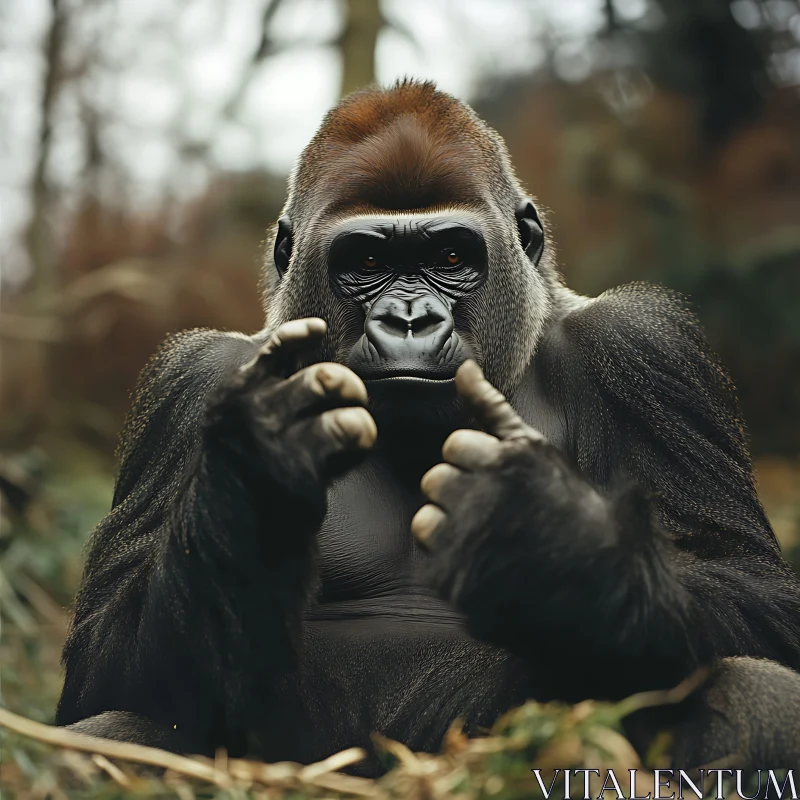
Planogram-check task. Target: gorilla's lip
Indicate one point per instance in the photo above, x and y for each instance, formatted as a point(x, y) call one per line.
point(409, 379)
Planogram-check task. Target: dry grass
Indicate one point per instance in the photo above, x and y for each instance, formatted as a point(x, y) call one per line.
point(53, 762)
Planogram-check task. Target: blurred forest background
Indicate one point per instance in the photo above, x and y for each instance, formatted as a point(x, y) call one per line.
point(144, 148)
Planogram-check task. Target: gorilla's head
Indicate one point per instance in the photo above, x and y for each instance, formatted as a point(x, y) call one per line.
point(407, 230)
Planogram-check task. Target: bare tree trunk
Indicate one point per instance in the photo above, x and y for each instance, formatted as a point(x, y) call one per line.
point(263, 51)
point(364, 22)
point(611, 16)
point(39, 235)
point(37, 354)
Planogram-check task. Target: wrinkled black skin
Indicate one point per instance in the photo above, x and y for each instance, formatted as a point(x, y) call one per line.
point(409, 293)
point(230, 600)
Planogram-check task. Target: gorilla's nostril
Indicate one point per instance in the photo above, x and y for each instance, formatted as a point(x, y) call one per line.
point(426, 325)
point(396, 326)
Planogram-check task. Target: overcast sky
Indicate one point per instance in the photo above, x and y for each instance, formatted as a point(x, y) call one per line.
point(169, 66)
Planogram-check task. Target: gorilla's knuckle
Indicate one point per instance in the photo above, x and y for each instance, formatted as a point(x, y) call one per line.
point(451, 446)
point(313, 380)
point(494, 397)
point(534, 436)
point(525, 438)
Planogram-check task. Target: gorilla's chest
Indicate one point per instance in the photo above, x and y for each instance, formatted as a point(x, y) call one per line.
point(380, 651)
point(366, 549)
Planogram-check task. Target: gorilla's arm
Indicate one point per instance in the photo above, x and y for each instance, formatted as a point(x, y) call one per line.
point(158, 621)
point(650, 558)
point(194, 584)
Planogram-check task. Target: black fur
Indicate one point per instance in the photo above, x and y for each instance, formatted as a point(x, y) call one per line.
point(256, 587)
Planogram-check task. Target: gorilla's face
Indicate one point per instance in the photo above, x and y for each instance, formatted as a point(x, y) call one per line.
point(403, 276)
point(409, 296)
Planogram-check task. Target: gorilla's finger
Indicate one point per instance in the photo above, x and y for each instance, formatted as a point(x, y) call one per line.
point(343, 429)
point(321, 386)
point(425, 523)
point(471, 449)
point(492, 408)
point(329, 379)
point(279, 356)
point(296, 330)
point(441, 484)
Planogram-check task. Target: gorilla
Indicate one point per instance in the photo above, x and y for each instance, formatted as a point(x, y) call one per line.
point(437, 484)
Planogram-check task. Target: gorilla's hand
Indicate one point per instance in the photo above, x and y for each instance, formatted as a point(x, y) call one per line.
point(290, 430)
point(511, 524)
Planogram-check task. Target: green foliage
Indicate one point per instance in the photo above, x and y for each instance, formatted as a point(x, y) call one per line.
point(40, 562)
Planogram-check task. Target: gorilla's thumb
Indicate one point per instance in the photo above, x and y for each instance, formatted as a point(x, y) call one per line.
point(494, 412)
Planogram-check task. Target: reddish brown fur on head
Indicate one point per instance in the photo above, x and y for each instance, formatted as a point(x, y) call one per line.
point(406, 147)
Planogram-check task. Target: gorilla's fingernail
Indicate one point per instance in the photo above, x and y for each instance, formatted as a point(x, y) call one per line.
point(425, 523)
point(472, 385)
point(337, 379)
point(296, 330)
point(469, 372)
point(435, 480)
point(470, 449)
point(359, 426)
point(316, 325)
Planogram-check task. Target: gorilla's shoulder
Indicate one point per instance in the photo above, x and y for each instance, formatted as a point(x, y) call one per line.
point(641, 344)
point(641, 388)
point(171, 395)
point(650, 319)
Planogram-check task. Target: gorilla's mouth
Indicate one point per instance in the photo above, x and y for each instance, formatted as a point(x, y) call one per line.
point(408, 361)
point(409, 379)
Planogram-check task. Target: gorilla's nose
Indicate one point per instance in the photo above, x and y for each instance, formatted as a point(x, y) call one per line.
point(409, 331)
point(408, 317)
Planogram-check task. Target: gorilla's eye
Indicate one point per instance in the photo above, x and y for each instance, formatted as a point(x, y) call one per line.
point(370, 262)
point(449, 258)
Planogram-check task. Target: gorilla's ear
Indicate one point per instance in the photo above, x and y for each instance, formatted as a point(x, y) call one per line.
point(531, 233)
point(283, 245)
